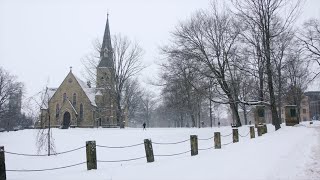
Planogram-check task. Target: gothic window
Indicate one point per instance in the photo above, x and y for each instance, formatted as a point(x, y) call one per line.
point(74, 100)
point(64, 97)
point(57, 111)
point(81, 111)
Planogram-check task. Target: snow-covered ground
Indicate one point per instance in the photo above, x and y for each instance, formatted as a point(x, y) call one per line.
point(290, 153)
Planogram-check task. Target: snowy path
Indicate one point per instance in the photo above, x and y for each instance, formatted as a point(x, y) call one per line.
point(292, 153)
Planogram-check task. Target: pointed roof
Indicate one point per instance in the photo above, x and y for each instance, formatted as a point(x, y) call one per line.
point(90, 92)
point(106, 57)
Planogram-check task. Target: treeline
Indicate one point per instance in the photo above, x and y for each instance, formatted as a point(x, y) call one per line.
point(11, 94)
point(251, 53)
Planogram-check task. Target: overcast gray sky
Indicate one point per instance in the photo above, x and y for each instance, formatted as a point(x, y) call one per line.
point(40, 40)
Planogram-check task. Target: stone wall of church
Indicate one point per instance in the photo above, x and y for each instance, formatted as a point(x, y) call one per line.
point(68, 87)
point(106, 108)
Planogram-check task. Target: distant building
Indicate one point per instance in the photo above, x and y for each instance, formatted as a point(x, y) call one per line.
point(309, 107)
point(304, 109)
point(13, 116)
point(77, 104)
point(314, 104)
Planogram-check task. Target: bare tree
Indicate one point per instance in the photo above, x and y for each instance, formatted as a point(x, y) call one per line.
point(280, 53)
point(208, 42)
point(297, 75)
point(44, 138)
point(10, 100)
point(310, 38)
point(265, 15)
point(126, 64)
point(179, 91)
point(147, 105)
point(132, 99)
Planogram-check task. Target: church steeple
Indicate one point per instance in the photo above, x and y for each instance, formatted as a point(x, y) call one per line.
point(106, 57)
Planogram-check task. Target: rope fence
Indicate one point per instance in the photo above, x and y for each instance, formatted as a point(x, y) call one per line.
point(41, 155)
point(91, 154)
point(175, 154)
point(119, 147)
point(225, 144)
point(205, 139)
point(169, 143)
point(123, 160)
point(204, 149)
point(226, 135)
point(244, 135)
point(49, 169)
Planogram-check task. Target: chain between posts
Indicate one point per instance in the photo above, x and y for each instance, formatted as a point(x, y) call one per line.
point(119, 147)
point(160, 143)
point(244, 135)
point(123, 160)
point(175, 154)
point(48, 169)
point(227, 143)
point(205, 139)
point(40, 155)
point(226, 135)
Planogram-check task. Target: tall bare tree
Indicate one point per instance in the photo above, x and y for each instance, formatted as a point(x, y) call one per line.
point(10, 100)
point(44, 138)
point(265, 15)
point(297, 75)
point(208, 41)
point(127, 63)
point(132, 98)
point(148, 103)
point(310, 38)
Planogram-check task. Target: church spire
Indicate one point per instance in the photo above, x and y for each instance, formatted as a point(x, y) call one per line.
point(106, 57)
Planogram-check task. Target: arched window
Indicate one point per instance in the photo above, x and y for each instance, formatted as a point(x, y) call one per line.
point(64, 97)
point(74, 100)
point(81, 111)
point(57, 111)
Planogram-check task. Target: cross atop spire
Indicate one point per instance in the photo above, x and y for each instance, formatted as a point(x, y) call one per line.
point(106, 57)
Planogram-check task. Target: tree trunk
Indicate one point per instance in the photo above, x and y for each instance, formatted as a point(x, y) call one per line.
point(274, 113)
point(199, 114)
point(245, 114)
point(181, 120)
point(235, 113)
point(210, 108)
point(279, 94)
point(261, 85)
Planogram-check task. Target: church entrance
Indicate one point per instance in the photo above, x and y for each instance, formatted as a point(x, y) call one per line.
point(66, 120)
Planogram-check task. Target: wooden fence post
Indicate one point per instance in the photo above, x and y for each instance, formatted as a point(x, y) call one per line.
point(259, 128)
point(235, 135)
point(194, 145)
point(149, 150)
point(91, 155)
point(217, 140)
point(2, 164)
point(252, 133)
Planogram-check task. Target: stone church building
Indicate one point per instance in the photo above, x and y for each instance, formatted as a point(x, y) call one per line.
point(76, 104)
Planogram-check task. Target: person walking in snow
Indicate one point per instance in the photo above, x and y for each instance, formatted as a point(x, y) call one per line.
point(219, 124)
point(144, 126)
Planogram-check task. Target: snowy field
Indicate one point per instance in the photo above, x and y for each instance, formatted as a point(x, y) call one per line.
point(290, 153)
